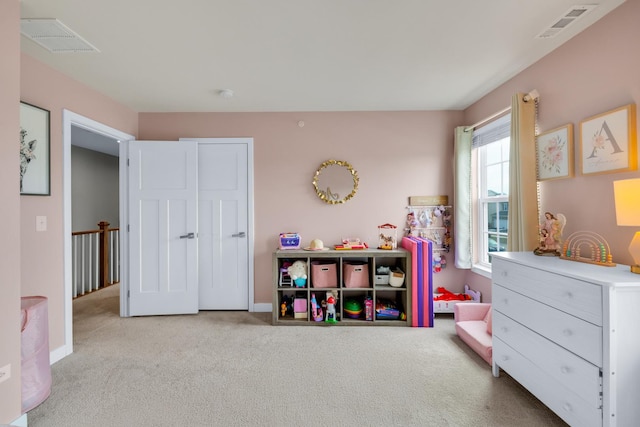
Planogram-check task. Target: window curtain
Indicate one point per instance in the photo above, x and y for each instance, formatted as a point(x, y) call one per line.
point(462, 197)
point(523, 195)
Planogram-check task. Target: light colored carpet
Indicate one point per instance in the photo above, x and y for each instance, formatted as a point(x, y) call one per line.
point(235, 369)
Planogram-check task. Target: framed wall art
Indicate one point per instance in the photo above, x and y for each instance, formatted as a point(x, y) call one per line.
point(34, 151)
point(608, 142)
point(554, 153)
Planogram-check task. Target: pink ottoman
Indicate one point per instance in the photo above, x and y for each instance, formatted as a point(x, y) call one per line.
point(36, 369)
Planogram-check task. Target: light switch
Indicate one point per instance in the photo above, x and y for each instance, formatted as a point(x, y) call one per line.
point(41, 223)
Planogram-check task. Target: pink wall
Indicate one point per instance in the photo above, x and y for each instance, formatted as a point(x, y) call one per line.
point(53, 91)
point(396, 155)
point(594, 72)
point(10, 402)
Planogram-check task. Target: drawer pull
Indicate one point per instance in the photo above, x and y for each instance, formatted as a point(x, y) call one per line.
point(504, 329)
point(567, 407)
point(567, 332)
point(505, 358)
point(503, 274)
point(568, 294)
point(565, 370)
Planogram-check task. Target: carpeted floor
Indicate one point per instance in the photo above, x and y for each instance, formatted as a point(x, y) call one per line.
point(235, 369)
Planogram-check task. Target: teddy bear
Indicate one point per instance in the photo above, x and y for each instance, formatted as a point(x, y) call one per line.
point(298, 273)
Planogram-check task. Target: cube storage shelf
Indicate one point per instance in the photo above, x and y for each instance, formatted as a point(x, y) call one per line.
point(356, 283)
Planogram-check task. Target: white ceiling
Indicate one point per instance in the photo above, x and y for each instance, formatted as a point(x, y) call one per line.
point(303, 55)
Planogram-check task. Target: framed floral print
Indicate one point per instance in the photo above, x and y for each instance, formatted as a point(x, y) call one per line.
point(608, 142)
point(34, 151)
point(554, 153)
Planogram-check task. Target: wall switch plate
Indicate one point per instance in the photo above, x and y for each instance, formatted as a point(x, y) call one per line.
point(41, 223)
point(5, 373)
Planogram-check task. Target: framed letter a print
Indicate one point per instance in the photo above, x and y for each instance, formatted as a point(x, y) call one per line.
point(34, 151)
point(608, 142)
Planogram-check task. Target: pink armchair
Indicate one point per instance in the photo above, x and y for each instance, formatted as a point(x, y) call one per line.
point(473, 326)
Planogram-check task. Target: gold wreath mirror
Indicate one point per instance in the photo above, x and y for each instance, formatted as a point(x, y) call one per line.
point(335, 182)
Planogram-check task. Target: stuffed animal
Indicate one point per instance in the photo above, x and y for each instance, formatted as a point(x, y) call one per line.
point(298, 273)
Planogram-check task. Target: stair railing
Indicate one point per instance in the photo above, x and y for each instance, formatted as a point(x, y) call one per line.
point(96, 259)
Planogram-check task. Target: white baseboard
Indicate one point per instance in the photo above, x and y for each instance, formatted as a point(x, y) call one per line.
point(20, 422)
point(58, 354)
point(263, 308)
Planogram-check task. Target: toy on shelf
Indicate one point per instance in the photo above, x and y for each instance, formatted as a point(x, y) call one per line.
point(368, 308)
point(289, 241)
point(386, 309)
point(600, 254)
point(330, 315)
point(298, 273)
point(388, 236)
point(286, 306)
point(550, 234)
point(316, 311)
point(351, 244)
point(353, 308)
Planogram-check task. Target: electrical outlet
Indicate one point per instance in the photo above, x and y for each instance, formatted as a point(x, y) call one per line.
point(5, 372)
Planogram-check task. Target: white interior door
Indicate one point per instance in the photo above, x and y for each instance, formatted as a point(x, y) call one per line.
point(163, 228)
point(223, 224)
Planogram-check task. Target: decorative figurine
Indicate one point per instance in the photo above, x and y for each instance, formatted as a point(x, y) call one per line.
point(550, 234)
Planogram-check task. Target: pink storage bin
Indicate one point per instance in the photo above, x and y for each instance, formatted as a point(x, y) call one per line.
point(324, 274)
point(356, 275)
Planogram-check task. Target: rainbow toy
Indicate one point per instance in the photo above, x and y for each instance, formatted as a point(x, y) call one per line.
point(580, 242)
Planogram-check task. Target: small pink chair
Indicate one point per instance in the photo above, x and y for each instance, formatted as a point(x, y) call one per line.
point(473, 326)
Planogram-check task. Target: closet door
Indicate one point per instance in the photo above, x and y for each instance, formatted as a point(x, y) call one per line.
point(163, 248)
point(223, 241)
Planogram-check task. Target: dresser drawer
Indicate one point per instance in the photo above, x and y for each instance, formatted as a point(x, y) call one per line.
point(580, 337)
point(561, 400)
point(576, 297)
point(573, 372)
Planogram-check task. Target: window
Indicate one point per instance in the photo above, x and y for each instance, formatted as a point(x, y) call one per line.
point(491, 147)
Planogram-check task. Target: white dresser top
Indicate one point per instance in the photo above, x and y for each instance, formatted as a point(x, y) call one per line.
point(618, 276)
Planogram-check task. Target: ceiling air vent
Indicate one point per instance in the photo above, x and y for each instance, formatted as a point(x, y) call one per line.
point(54, 36)
point(568, 18)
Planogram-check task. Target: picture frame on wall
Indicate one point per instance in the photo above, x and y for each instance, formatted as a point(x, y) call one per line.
point(554, 153)
point(608, 142)
point(35, 163)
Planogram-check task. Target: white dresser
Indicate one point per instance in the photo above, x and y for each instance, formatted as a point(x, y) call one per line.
point(569, 332)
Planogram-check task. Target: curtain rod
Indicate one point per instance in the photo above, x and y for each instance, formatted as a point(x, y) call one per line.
point(531, 96)
point(488, 119)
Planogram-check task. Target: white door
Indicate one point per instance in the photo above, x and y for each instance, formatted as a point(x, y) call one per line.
point(223, 225)
point(163, 228)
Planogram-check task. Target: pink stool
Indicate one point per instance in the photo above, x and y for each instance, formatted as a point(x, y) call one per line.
point(36, 369)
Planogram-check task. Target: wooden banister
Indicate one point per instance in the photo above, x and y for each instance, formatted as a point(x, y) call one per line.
point(103, 264)
point(104, 249)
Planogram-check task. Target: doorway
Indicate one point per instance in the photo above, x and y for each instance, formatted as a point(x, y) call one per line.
point(72, 120)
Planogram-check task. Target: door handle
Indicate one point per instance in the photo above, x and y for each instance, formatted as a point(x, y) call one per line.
point(240, 234)
point(188, 236)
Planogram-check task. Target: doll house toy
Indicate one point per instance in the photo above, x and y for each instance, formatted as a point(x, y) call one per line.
point(289, 241)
